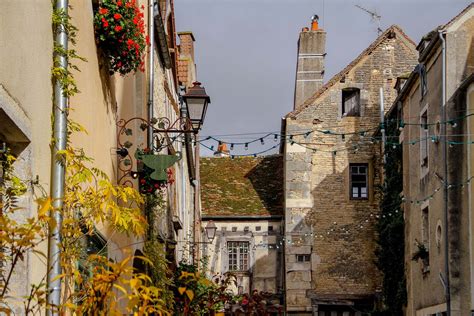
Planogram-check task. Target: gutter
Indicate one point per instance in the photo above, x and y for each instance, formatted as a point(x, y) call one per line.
point(233, 218)
point(160, 38)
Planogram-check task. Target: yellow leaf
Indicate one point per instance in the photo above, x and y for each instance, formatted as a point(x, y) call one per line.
point(45, 206)
point(190, 294)
point(181, 290)
point(133, 283)
point(121, 287)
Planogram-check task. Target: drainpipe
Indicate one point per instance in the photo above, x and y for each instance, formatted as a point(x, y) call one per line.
point(445, 159)
point(151, 56)
point(382, 123)
point(197, 213)
point(57, 174)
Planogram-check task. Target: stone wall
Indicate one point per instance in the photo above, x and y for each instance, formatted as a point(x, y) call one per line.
point(321, 218)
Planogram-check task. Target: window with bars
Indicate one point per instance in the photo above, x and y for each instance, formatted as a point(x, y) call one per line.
point(238, 255)
point(359, 185)
point(303, 258)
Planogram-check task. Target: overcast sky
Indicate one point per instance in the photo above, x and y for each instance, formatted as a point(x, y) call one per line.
point(246, 51)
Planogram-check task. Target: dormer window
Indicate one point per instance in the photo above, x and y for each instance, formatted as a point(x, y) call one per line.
point(350, 102)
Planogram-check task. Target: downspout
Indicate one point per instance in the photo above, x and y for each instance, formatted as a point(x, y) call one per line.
point(445, 159)
point(382, 123)
point(151, 62)
point(57, 172)
point(197, 213)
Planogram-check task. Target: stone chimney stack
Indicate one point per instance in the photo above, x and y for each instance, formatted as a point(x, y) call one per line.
point(310, 63)
point(186, 44)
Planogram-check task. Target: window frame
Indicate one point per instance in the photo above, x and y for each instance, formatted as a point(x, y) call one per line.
point(351, 182)
point(344, 112)
point(240, 252)
point(303, 257)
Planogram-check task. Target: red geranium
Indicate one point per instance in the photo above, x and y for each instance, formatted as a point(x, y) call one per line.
point(120, 27)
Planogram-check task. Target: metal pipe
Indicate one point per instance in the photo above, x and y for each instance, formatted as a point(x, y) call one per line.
point(445, 159)
point(57, 173)
point(382, 123)
point(151, 61)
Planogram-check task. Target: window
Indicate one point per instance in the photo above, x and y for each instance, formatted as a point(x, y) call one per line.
point(424, 141)
point(351, 102)
point(359, 181)
point(303, 258)
point(423, 80)
point(238, 255)
point(425, 228)
point(270, 228)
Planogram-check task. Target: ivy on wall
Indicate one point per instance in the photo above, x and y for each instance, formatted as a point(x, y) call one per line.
point(390, 252)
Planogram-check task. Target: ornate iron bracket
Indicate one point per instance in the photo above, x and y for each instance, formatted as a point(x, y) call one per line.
point(155, 164)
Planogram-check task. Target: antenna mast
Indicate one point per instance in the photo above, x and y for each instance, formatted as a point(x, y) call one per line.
point(374, 15)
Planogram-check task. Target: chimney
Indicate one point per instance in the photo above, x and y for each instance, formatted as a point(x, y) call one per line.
point(186, 66)
point(310, 63)
point(222, 151)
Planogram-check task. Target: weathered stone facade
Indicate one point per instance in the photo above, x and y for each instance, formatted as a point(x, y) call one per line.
point(323, 218)
point(425, 178)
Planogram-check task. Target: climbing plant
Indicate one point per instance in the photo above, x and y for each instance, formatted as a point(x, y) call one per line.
point(391, 247)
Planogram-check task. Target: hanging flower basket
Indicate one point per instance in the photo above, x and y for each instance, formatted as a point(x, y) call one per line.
point(155, 170)
point(120, 34)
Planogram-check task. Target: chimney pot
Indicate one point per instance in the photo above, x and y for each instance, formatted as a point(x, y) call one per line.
point(315, 22)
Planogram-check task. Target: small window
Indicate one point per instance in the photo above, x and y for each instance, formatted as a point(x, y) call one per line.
point(424, 141)
point(303, 258)
point(246, 229)
point(359, 181)
point(423, 80)
point(258, 228)
point(270, 228)
point(425, 228)
point(238, 255)
point(234, 229)
point(351, 102)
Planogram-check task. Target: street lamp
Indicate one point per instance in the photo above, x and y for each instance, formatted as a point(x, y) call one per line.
point(196, 100)
point(211, 229)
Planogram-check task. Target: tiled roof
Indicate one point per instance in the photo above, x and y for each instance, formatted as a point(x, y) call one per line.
point(242, 186)
point(342, 73)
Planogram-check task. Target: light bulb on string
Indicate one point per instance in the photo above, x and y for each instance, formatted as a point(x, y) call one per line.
point(262, 141)
point(232, 146)
point(246, 146)
point(275, 138)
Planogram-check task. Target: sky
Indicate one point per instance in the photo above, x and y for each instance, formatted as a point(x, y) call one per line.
point(245, 52)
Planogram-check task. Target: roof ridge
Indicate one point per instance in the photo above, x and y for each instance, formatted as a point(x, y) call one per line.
point(458, 16)
point(349, 67)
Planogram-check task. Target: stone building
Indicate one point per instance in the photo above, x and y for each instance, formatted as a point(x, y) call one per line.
point(331, 174)
point(434, 118)
point(104, 99)
point(243, 197)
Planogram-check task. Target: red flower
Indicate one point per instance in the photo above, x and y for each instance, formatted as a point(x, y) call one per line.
point(143, 7)
point(103, 11)
point(118, 28)
point(147, 38)
point(130, 42)
point(135, 20)
point(142, 181)
point(119, 64)
point(119, 3)
point(106, 24)
point(117, 16)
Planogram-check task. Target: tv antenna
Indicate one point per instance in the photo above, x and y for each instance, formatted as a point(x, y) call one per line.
point(375, 17)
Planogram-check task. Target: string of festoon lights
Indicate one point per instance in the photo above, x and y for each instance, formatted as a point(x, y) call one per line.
point(358, 138)
point(341, 230)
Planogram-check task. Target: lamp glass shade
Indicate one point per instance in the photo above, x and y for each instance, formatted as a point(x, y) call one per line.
point(211, 229)
point(196, 111)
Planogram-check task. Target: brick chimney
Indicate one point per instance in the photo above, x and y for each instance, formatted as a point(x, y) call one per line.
point(310, 63)
point(186, 65)
point(222, 151)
